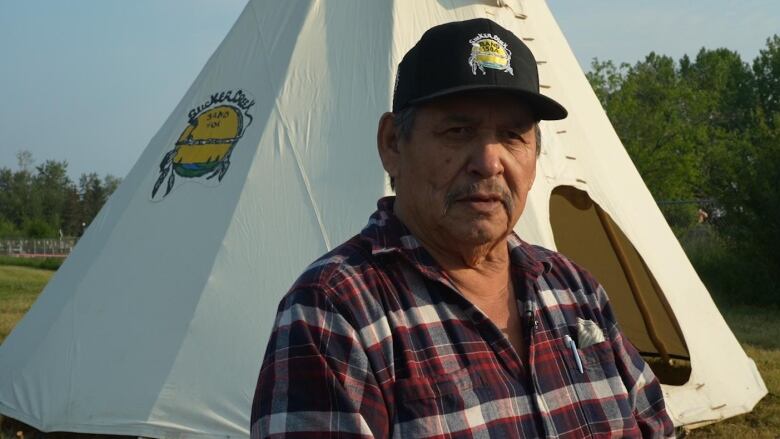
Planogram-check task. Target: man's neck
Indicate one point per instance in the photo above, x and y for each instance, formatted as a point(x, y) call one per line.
point(483, 283)
point(477, 270)
point(490, 259)
point(482, 275)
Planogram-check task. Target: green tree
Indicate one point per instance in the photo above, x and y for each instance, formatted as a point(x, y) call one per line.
point(93, 195)
point(71, 212)
point(42, 201)
point(708, 129)
point(606, 79)
point(52, 186)
point(748, 190)
point(38, 228)
point(723, 88)
point(18, 202)
point(8, 229)
point(766, 68)
point(721, 118)
point(6, 196)
point(648, 105)
point(111, 183)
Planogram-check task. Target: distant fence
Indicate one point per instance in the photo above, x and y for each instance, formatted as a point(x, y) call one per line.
point(37, 248)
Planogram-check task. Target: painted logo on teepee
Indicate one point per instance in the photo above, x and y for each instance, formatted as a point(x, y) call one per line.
point(202, 151)
point(489, 51)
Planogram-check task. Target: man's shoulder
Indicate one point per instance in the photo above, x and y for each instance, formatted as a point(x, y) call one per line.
point(346, 259)
point(342, 273)
point(346, 281)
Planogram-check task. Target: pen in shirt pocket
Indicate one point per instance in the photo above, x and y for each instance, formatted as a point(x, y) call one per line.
point(575, 353)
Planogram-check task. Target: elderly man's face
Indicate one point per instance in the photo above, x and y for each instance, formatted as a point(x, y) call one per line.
point(463, 175)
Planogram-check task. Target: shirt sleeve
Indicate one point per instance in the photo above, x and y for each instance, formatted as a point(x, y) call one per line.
point(644, 389)
point(316, 381)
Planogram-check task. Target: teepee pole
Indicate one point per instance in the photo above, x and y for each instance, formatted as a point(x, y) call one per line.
point(633, 284)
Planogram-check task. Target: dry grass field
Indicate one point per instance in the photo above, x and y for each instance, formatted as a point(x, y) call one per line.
point(758, 328)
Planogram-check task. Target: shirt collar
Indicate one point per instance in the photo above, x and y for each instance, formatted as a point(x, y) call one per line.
point(387, 234)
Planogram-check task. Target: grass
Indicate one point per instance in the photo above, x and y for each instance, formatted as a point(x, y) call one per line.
point(758, 328)
point(19, 287)
point(44, 263)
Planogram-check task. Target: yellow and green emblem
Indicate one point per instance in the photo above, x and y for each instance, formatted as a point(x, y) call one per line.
point(205, 145)
point(489, 52)
point(207, 141)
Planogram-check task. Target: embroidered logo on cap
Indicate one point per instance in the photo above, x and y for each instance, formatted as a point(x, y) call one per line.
point(489, 51)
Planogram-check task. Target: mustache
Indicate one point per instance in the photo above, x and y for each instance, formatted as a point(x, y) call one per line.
point(493, 188)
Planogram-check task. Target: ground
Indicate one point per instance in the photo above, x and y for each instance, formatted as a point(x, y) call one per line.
point(757, 328)
point(19, 287)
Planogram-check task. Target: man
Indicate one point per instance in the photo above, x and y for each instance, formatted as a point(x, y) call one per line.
point(437, 320)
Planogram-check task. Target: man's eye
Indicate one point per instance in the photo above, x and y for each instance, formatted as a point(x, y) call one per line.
point(517, 136)
point(459, 132)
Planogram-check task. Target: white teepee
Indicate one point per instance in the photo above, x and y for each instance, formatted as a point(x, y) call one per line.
point(157, 323)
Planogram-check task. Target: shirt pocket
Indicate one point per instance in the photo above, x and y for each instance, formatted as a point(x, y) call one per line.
point(428, 406)
point(599, 389)
point(598, 358)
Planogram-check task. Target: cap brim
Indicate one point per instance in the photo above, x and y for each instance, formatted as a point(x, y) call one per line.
point(544, 108)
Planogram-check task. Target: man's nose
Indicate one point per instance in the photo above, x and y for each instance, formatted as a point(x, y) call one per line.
point(485, 158)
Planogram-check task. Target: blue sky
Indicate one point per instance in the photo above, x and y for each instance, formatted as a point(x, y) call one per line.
point(91, 81)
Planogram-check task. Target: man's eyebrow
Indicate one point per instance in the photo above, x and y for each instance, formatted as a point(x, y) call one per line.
point(458, 118)
point(523, 123)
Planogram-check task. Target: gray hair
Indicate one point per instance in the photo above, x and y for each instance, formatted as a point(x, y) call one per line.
point(403, 122)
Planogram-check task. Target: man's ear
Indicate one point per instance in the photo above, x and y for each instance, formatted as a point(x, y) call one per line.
point(387, 144)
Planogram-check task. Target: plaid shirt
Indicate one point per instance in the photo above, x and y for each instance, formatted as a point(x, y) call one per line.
point(374, 340)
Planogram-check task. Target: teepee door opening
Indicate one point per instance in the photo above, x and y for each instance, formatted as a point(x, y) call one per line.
point(584, 232)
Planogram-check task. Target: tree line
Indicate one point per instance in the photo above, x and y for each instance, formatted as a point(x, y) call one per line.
point(43, 202)
point(704, 134)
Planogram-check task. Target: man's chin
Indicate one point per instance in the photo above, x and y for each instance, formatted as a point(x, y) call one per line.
point(478, 233)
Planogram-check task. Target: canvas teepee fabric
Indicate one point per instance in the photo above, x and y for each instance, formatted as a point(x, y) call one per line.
point(157, 323)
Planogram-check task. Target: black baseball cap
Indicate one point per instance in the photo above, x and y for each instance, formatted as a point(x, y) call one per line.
point(471, 55)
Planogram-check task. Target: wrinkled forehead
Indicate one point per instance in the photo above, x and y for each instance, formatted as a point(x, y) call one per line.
point(478, 107)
